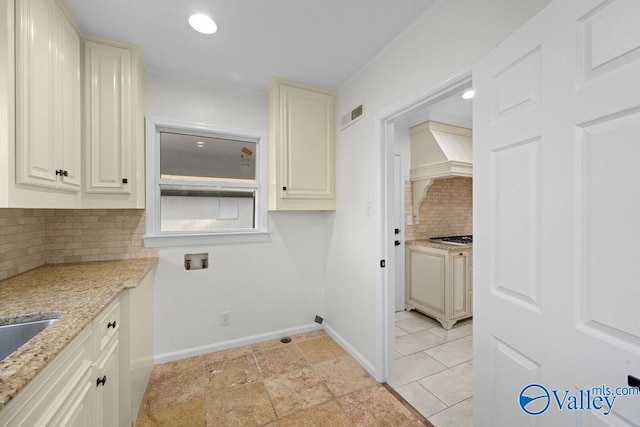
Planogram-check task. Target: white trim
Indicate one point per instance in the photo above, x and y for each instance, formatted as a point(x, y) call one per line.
point(160, 241)
point(153, 237)
point(352, 352)
point(385, 293)
point(239, 342)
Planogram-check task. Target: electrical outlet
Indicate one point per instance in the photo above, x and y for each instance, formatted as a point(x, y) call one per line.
point(225, 318)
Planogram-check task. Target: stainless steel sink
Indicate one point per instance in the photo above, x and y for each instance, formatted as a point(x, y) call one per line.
point(15, 335)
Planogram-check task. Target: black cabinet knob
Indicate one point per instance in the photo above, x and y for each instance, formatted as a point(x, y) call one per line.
point(111, 325)
point(101, 381)
point(397, 243)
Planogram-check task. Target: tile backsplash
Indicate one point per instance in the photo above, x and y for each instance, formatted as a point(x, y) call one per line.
point(30, 238)
point(446, 211)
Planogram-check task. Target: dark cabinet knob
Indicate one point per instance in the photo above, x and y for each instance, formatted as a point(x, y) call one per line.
point(397, 243)
point(101, 381)
point(396, 231)
point(111, 325)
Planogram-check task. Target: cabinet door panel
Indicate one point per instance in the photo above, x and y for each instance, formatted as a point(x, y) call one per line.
point(308, 157)
point(459, 285)
point(70, 100)
point(108, 154)
point(428, 280)
point(35, 92)
point(107, 393)
point(78, 410)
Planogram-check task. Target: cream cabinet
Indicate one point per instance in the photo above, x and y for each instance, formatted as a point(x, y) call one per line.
point(99, 378)
point(301, 147)
point(73, 106)
point(114, 125)
point(47, 97)
point(438, 283)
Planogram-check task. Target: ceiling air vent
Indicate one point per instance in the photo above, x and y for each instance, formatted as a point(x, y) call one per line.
point(352, 116)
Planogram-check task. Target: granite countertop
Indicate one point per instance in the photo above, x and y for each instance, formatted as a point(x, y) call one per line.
point(74, 293)
point(437, 245)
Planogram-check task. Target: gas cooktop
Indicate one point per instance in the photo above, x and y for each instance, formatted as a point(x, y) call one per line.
point(454, 240)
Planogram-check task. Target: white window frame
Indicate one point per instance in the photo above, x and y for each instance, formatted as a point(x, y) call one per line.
point(154, 237)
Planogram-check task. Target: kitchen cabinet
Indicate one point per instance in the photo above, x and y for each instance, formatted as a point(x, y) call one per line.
point(301, 147)
point(47, 97)
point(114, 125)
point(438, 283)
point(65, 144)
point(95, 379)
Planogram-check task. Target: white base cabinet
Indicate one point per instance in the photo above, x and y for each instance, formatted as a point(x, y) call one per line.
point(438, 283)
point(100, 377)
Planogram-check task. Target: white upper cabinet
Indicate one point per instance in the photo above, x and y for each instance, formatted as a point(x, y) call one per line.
point(48, 117)
point(73, 106)
point(301, 147)
point(114, 125)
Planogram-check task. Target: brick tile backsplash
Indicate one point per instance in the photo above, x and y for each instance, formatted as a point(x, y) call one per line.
point(446, 211)
point(30, 238)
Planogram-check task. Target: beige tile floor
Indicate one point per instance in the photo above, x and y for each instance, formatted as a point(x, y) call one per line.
point(434, 369)
point(310, 381)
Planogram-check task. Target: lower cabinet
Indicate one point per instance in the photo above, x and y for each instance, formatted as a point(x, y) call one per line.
point(94, 379)
point(438, 283)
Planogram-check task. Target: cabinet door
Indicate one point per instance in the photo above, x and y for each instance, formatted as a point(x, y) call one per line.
point(459, 285)
point(308, 145)
point(427, 281)
point(77, 411)
point(107, 385)
point(69, 106)
point(108, 121)
point(36, 30)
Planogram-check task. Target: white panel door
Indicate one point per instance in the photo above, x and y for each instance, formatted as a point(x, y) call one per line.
point(556, 218)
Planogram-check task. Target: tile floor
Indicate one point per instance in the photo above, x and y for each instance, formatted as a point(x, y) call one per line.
point(310, 381)
point(434, 368)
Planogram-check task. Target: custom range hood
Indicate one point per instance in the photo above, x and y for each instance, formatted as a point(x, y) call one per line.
point(438, 150)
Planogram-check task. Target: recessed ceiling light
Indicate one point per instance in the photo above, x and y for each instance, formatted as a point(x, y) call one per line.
point(200, 144)
point(202, 23)
point(468, 94)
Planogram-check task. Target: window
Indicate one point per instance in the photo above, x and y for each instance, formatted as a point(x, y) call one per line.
point(204, 185)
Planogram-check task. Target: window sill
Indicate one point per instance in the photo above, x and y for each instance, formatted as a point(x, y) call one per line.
point(204, 239)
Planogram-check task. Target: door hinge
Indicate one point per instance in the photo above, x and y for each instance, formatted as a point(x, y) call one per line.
point(383, 263)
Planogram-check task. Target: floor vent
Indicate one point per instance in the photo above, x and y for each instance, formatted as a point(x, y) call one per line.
point(352, 116)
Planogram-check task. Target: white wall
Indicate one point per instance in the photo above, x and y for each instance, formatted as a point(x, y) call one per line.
point(267, 286)
point(443, 42)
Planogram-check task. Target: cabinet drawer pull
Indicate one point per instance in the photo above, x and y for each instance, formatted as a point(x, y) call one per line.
point(101, 381)
point(111, 325)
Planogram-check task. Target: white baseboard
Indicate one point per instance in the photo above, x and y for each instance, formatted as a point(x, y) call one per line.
point(239, 342)
point(352, 351)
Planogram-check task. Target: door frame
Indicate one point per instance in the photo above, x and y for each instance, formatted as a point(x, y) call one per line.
point(385, 286)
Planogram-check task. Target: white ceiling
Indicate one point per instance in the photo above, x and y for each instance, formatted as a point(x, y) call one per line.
point(318, 42)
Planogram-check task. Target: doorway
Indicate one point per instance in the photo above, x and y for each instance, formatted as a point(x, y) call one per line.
point(437, 104)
